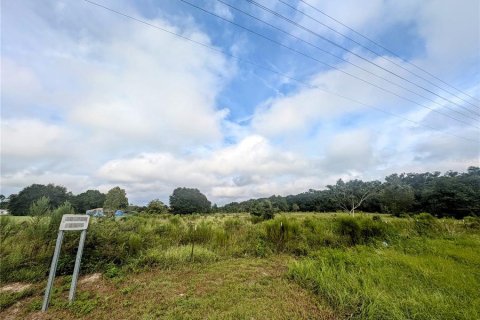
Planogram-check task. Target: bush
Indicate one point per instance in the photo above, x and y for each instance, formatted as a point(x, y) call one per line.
point(285, 235)
point(56, 218)
point(361, 230)
point(472, 222)
point(263, 210)
point(425, 224)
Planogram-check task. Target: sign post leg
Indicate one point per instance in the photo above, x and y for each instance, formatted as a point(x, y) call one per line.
point(53, 270)
point(76, 270)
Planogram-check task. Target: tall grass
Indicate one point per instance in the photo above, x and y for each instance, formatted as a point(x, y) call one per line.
point(383, 283)
point(365, 267)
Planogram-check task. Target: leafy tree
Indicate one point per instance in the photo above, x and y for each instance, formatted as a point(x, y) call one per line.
point(189, 200)
point(116, 198)
point(263, 209)
point(450, 196)
point(397, 197)
point(89, 199)
point(156, 207)
point(350, 195)
point(56, 218)
point(20, 203)
point(295, 207)
point(279, 203)
point(2, 201)
point(39, 209)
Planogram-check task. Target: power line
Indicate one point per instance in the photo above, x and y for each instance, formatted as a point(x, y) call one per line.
point(344, 60)
point(275, 71)
point(344, 48)
point(394, 54)
point(321, 62)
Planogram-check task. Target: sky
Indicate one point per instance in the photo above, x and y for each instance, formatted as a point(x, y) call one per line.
point(92, 99)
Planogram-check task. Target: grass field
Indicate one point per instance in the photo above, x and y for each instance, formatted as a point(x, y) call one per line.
point(297, 266)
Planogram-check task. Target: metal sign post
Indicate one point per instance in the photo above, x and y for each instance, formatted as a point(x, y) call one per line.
point(70, 222)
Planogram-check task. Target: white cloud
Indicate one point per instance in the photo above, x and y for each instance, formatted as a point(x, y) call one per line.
point(452, 32)
point(222, 10)
point(94, 100)
point(252, 164)
point(30, 138)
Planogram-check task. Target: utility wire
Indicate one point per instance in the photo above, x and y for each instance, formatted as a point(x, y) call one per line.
point(321, 62)
point(345, 60)
point(392, 53)
point(344, 48)
point(275, 71)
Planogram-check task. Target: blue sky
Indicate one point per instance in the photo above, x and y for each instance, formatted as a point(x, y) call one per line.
point(91, 99)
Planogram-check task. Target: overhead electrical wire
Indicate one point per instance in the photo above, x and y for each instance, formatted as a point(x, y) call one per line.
point(346, 49)
point(321, 62)
point(342, 59)
point(392, 53)
point(276, 72)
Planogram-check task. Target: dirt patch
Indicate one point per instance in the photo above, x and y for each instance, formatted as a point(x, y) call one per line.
point(90, 278)
point(15, 287)
point(229, 289)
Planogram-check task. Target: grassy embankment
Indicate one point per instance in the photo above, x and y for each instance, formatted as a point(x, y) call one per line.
point(293, 267)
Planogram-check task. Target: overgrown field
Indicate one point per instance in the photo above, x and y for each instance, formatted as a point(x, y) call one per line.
point(363, 267)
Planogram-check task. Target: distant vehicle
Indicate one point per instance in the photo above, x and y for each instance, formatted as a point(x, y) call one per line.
point(119, 213)
point(98, 212)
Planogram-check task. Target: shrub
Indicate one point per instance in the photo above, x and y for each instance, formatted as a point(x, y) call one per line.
point(472, 222)
point(285, 235)
point(425, 224)
point(361, 230)
point(56, 218)
point(263, 209)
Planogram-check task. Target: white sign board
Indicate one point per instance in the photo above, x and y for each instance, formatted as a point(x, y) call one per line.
point(74, 222)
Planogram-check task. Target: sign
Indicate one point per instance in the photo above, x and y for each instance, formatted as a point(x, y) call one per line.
point(70, 222)
point(74, 222)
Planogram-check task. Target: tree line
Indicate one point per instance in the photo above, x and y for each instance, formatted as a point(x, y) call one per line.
point(182, 200)
point(455, 194)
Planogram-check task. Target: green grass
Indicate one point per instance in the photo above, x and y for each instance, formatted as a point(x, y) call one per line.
point(366, 267)
point(240, 288)
point(9, 298)
point(18, 219)
point(422, 279)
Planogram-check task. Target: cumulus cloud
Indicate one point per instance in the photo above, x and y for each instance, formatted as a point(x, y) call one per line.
point(139, 90)
point(251, 164)
point(94, 100)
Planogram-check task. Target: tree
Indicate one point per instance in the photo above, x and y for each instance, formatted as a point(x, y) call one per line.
point(156, 207)
point(189, 200)
point(2, 199)
point(397, 197)
point(39, 209)
point(20, 203)
point(279, 203)
point(350, 195)
point(89, 199)
point(116, 198)
point(450, 196)
point(263, 209)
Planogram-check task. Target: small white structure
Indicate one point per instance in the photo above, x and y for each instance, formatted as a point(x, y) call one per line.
point(3, 212)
